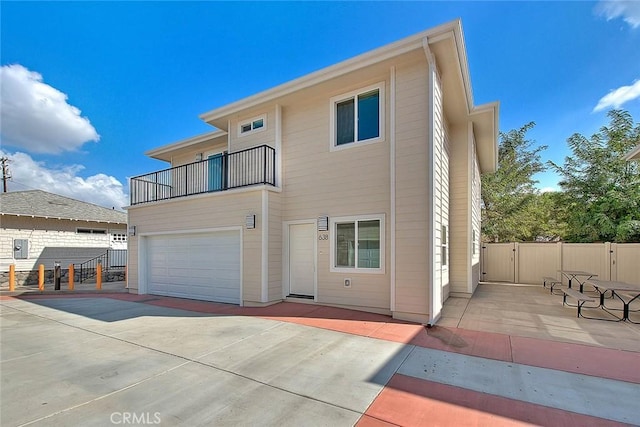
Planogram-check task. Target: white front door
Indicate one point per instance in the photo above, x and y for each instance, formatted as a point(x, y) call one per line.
point(302, 259)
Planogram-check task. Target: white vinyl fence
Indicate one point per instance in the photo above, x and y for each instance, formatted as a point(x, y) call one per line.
point(530, 262)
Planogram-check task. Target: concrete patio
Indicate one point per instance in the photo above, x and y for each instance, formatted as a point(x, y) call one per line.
point(531, 311)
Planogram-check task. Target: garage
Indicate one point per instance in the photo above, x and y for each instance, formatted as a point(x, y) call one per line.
point(204, 266)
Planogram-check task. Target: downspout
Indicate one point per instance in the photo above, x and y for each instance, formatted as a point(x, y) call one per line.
point(392, 174)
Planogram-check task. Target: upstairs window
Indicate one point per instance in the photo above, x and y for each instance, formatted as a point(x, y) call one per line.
point(357, 117)
point(250, 126)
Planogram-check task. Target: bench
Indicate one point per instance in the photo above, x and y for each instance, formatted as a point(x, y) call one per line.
point(551, 282)
point(578, 296)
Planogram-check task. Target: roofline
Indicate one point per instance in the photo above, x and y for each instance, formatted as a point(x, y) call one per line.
point(363, 60)
point(61, 218)
point(633, 154)
point(184, 143)
point(494, 109)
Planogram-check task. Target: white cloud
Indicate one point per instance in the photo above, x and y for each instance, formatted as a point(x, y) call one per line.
point(619, 96)
point(549, 190)
point(29, 174)
point(628, 10)
point(36, 117)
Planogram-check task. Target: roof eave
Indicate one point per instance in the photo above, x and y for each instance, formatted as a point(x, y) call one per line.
point(633, 154)
point(358, 62)
point(163, 153)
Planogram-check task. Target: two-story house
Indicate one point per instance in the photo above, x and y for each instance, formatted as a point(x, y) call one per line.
point(355, 186)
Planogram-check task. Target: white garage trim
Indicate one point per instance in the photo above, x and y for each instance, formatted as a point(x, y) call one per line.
point(143, 250)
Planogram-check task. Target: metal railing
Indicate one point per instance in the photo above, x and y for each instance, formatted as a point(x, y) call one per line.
point(112, 259)
point(220, 172)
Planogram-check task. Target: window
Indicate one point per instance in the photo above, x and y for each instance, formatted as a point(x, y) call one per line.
point(357, 117)
point(473, 242)
point(252, 125)
point(357, 244)
point(444, 254)
point(90, 231)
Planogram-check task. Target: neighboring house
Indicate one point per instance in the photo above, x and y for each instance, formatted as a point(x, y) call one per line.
point(37, 227)
point(633, 154)
point(355, 186)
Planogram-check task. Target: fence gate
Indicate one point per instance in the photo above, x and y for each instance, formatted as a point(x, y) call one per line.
point(498, 262)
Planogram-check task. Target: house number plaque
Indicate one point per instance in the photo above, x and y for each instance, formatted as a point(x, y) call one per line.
point(323, 236)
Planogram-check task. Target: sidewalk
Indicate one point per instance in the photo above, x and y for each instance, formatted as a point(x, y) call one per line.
point(459, 376)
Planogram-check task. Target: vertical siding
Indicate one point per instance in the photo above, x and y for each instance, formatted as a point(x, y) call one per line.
point(626, 267)
point(537, 260)
point(591, 257)
point(203, 213)
point(412, 226)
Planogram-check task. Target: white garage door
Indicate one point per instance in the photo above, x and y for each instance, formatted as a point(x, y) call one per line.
point(197, 266)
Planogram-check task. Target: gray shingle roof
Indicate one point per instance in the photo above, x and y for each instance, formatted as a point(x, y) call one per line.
point(39, 203)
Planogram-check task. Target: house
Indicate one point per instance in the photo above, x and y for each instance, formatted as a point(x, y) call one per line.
point(355, 186)
point(37, 227)
point(633, 154)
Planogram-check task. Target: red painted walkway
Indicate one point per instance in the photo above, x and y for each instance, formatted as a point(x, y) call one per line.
point(409, 401)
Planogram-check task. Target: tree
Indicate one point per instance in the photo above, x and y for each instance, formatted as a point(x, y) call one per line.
point(509, 195)
point(601, 190)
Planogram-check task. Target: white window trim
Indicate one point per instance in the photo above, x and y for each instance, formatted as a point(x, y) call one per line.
point(250, 122)
point(345, 96)
point(444, 246)
point(332, 240)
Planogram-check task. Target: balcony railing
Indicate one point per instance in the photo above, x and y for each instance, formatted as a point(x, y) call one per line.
point(217, 173)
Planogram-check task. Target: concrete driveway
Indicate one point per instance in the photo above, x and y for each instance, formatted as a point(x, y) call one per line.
point(135, 361)
point(86, 361)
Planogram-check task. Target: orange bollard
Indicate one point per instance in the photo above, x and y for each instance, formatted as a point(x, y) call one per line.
point(99, 276)
point(71, 273)
point(41, 277)
point(12, 277)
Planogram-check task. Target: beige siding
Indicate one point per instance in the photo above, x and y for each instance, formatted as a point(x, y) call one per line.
point(475, 221)
point(208, 212)
point(348, 182)
point(217, 145)
point(267, 136)
point(441, 196)
point(275, 246)
point(412, 227)
point(445, 208)
point(459, 221)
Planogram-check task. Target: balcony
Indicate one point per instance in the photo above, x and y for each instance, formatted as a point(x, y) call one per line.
point(219, 172)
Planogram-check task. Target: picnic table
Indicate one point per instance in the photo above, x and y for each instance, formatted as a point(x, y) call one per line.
point(574, 274)
point(602, 286)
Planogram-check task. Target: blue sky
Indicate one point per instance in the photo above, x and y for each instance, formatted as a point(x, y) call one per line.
point(88, 87)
